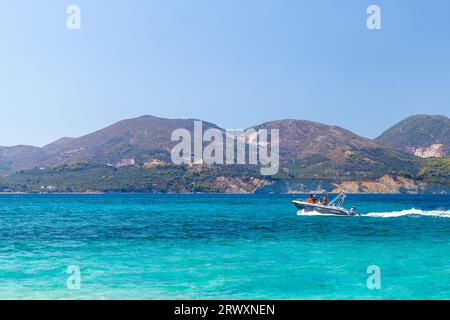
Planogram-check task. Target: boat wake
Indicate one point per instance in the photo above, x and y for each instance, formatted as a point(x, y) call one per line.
point(410, 212)
point(392, 214)
point(315, 213)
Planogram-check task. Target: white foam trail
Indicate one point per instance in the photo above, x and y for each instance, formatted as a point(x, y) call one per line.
point(410, 212)
point(392, 214)
point(315, 213)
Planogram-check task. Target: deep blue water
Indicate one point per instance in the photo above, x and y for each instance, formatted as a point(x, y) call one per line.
point(222, 246)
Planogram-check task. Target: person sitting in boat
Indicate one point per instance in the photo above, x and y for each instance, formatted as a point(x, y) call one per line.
point(324, 199)
point(312, 199)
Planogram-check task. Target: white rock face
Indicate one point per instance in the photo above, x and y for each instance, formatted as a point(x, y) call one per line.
point(126, 163)
point(435, 150)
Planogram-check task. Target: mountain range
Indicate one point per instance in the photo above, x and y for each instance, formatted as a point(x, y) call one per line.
point(311, 153)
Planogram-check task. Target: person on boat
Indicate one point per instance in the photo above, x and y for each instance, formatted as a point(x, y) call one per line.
point(312, 199)
point(324, 199)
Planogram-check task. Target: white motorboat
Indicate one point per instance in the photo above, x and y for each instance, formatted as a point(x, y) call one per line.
point(335, 207)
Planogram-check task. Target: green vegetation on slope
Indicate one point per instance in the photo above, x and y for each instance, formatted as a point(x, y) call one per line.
point(435, 169)
point(82, 177)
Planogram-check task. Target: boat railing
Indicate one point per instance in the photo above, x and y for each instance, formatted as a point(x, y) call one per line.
point(338, 201)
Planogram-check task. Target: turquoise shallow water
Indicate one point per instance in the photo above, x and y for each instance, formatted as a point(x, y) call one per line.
point(221, 246)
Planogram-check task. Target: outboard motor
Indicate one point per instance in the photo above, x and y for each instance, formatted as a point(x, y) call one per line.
point(353, 211)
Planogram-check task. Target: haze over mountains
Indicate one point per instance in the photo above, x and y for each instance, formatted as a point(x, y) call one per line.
point(308, 150)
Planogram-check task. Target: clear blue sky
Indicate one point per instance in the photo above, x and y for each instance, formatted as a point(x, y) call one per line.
point(232, 62)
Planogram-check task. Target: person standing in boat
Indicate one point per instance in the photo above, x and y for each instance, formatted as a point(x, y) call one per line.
point(324, 199)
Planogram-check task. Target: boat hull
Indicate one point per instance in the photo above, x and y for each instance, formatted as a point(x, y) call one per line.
point(309, 207)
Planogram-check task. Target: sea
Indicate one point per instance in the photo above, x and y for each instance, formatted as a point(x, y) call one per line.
point(147, 247)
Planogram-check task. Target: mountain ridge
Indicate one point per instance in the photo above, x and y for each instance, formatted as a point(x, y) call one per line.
point(149, 136)
point(309, 151)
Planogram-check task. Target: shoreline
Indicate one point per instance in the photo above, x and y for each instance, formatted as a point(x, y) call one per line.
point(200, 193)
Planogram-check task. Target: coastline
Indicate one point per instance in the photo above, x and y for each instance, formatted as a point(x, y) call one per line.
point(214, 193)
